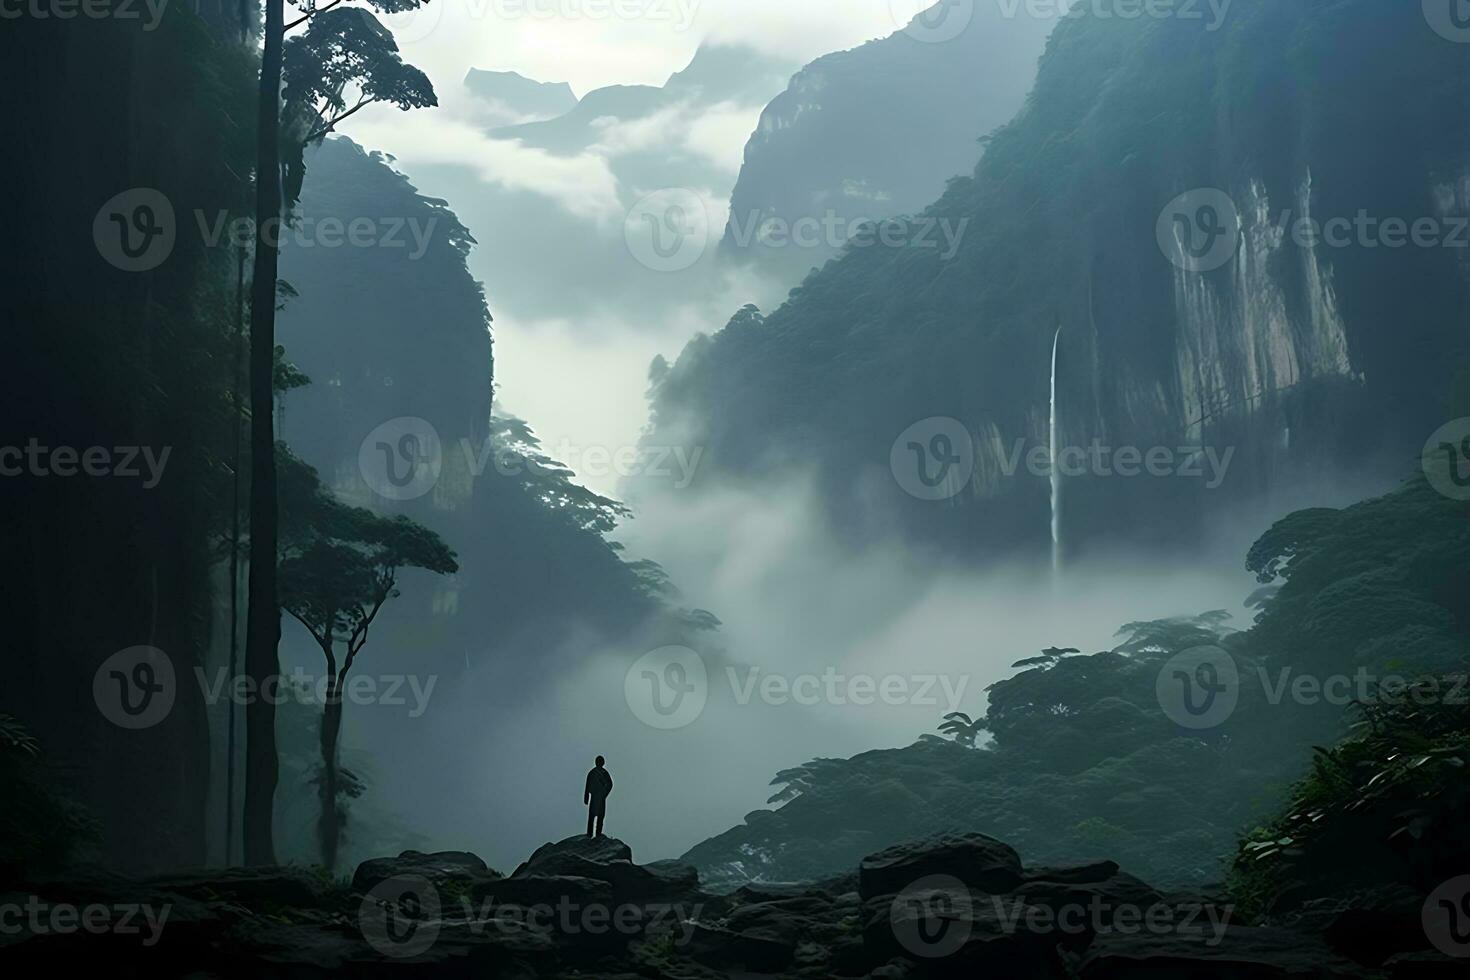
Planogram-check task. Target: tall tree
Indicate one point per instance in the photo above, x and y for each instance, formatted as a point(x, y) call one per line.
point(262, 617)
point(340, 565)
point(344, 54)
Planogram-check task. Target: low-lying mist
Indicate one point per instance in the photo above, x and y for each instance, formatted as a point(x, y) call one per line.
point(824, 651)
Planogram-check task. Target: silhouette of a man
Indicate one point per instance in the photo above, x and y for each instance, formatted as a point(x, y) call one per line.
point(599, 785)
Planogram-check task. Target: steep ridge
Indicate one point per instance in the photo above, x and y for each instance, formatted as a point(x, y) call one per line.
point(399, 417)
point(877, 131)
point(1137, 128)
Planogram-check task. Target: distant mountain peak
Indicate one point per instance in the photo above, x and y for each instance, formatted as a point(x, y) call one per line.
point(516, 95)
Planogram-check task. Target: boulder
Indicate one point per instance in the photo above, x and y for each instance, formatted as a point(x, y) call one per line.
point(535, 891)
point(1425, 965)
point(1242, 953)
point(610, 860)
point(1079, 874)
point(981, 862)
point(965, 931)
point(727, 949)
point(440, 869)
point(556, 858)
point(1077, 910)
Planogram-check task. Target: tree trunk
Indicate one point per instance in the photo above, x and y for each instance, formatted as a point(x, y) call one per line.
point(237, 406)
point(263, 617)
point(329, 828)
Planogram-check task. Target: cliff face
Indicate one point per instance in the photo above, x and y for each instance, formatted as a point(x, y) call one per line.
point(396, 338)
point(1155, 203)
point(130, 361)
point(877, 130)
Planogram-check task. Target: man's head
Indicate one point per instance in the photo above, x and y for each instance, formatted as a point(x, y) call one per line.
point(600, 761)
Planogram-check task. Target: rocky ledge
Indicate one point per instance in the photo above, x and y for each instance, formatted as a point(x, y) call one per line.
point(952, 906)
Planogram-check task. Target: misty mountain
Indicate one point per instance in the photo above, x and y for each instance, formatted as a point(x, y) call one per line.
point(565, 186)
point(396, 341)
point(718, 74)
point(386, 333)
point(518, 98)
point(877, 131)
point(1329, 359)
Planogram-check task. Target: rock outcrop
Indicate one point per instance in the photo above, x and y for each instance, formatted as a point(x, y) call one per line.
point(959, 905)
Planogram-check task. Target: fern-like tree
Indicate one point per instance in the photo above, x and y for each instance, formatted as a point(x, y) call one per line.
point(339, 566)
point(343, 60)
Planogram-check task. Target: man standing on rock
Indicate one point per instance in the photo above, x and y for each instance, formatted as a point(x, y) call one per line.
point(599, 785)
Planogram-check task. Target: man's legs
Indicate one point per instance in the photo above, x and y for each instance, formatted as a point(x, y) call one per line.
point(591, 815)
point(600, 815)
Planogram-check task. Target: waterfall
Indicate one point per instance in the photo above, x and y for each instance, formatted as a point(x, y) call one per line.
point(1056, 475)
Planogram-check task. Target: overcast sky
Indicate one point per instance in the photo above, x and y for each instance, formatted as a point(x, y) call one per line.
point(590, 43)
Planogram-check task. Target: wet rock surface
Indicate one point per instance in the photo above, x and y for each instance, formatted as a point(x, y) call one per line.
point(951, 906)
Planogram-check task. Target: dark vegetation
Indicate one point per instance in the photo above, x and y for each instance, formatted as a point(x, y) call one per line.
point(1074, 758)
